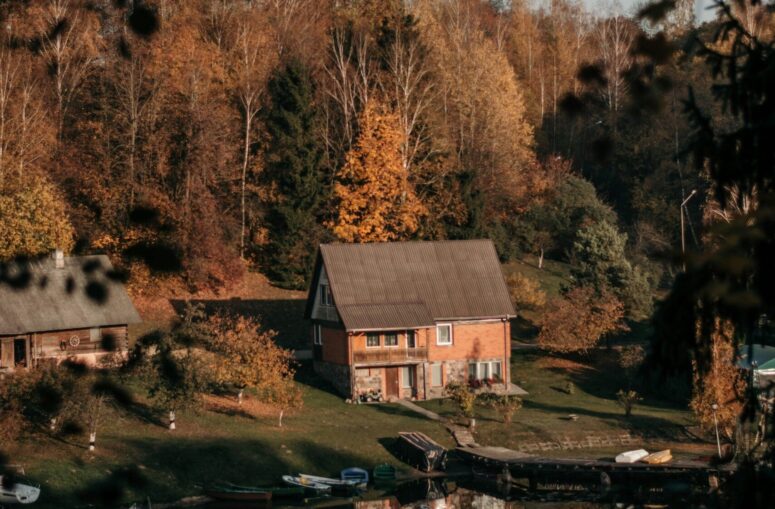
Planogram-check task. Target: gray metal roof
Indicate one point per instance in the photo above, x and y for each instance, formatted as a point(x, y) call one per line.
point(403, 284)
point(57, 299)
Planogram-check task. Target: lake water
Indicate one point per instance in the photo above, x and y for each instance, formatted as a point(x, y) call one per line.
point(479, 494)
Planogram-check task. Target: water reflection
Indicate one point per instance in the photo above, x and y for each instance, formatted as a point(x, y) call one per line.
point(482, 494)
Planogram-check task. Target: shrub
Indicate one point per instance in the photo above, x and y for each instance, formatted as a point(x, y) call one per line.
point(505, 406)
point(461, 394)
point(627, 400)
point(526, 292)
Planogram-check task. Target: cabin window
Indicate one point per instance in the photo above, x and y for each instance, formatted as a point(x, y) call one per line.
point(407, 377)
point(317, 335)
point(391, 339)
point(444, 334)
point(372, 340)
point(326, 299)
point(411, 339)
point(361, 372)
point(95, 334)
point(436, 375)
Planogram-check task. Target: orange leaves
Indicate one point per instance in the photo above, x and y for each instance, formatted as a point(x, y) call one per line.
point(375, 201)
point(721, 385)
point(577, 321)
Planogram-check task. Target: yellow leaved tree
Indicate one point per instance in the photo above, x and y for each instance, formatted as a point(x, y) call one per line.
point(33, 220)
point(375, 201)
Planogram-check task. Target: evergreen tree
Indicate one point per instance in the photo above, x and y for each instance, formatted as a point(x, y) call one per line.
point(294, 175)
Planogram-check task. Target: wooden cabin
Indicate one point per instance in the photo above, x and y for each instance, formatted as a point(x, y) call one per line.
point(403, 319)
point(62, 307)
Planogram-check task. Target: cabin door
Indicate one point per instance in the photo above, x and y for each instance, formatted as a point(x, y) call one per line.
point(6, 353)
point(391, 382)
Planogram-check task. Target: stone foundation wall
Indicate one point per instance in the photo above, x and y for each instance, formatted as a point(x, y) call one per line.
point(366, 383)
point(336, 374)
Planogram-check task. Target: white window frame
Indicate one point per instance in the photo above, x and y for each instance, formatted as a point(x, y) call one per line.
point(379, 339)
point(438, 341)
point(317, 334)
point(384, 339)
point(485, 366)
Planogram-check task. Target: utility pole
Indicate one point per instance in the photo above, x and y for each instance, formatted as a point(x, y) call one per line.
point(683, 229)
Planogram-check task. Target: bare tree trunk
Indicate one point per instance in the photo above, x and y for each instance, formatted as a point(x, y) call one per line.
point(541, 259)
point(280, 421)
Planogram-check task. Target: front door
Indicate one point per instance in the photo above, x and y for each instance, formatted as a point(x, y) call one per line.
point(20, 352)
point(391, 382)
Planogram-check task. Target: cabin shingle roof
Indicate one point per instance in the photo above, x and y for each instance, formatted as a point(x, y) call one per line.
point(56, 299)
point(413, 284)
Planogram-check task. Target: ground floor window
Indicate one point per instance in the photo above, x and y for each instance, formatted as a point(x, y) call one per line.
point(317, 335)
point(489, 370)
point(436, 376)
point(407, 377)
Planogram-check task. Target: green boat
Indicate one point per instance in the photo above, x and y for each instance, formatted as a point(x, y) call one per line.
point(384, 473)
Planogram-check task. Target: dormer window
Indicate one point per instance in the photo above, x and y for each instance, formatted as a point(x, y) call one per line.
point(326, 299)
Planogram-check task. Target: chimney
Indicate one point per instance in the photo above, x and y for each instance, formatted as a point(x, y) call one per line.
point(59, 259)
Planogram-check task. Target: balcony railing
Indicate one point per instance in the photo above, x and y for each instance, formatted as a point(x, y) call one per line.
point(390, 355)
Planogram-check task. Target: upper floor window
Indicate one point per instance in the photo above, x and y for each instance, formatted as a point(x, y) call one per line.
point(411, 339)
point(391, 339)
point(317, 335)
point(372, 340)
point(444, 334)
point(326, 299)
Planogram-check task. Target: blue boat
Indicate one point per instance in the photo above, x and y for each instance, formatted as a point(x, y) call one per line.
point(355, 474)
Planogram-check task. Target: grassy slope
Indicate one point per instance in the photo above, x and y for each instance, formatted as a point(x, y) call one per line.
point(596, 381)
point(215, 444)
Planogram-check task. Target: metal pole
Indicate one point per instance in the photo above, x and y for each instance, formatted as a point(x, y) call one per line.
point(683, 234)
point(715, 425)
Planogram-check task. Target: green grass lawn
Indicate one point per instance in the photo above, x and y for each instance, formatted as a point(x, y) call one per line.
point(209, 445)
point(596, 381)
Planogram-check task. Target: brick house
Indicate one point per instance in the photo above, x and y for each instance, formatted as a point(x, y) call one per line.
point(406, 318)
point(53, 317)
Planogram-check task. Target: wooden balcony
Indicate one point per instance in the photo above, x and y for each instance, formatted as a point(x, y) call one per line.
point(390, 355)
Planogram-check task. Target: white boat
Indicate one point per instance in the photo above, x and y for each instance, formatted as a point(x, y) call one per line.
point(18, 494)
point(632, 456)
point(330, 481)
point(305, 482)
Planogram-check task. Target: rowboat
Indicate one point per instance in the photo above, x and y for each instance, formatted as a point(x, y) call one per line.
point(355, 474)
point(18, 493)
point(384, 473)
point(238, 495)
point(276, 491)
point(330, 481)
point(659, 457)
point(631, 456)
point(305, 482)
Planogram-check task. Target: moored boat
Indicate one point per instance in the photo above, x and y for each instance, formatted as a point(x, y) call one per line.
point(631, 456)
point(19, 493)
point(355, 474)
point(330, 481)
point(238, 495)
point(384, 472)
point(276, 491)
point(659, 457)
point(305, 482)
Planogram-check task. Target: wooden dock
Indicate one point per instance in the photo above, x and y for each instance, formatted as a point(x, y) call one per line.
point(548, 470)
